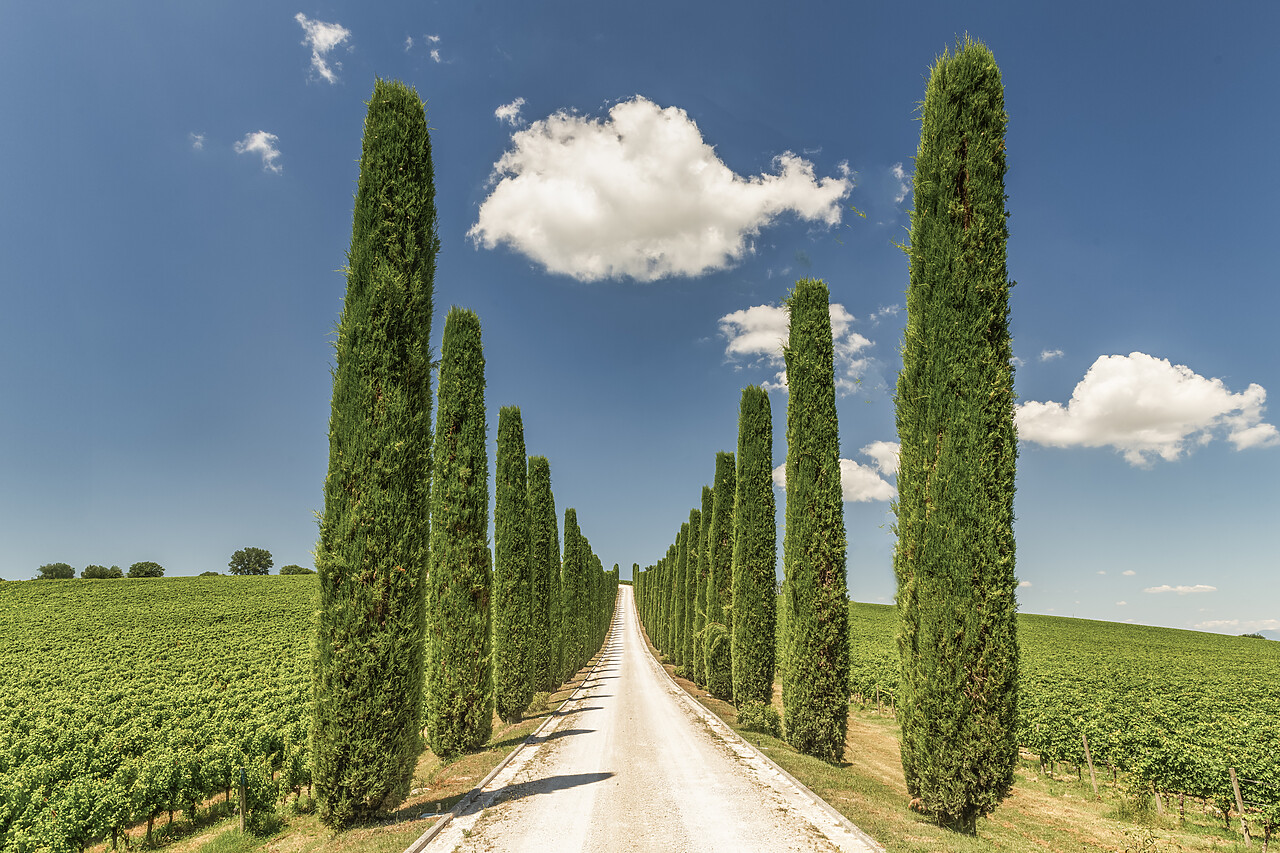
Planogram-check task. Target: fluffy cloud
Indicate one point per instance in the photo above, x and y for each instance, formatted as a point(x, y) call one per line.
point(858, 483)
point(1181, 590)
point(904, 183)
point(1128, 573)
point(758, 335)
point(638, 194)
point(1238, 625)
point(197, 140)
point(1050, 354)
point(322, 38)
point(263, 143)
point(1146, 407)
point(1024, 584)
point(885, 454)
point(510, 113)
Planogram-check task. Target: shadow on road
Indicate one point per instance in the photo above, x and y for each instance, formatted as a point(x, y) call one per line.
point(559, 733)
point(534, 786)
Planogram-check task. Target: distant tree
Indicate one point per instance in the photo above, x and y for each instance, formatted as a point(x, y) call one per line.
point(700, 584)
point(296, 570)
point(56, 572)
point(680, 639)
point(219, 574)
point(754, 553)
point(577, 564)
point(459, 644)
point(815, 685)
point(1252, 635)
point(373, 554)
point(954, 561)
point(544, 560)
point(146, 570)
point(513, 636)
point(251, 561)
point(101, 572)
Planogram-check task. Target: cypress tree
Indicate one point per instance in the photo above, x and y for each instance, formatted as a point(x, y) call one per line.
point(544, 557)
point(700, 614)
point(955, 555)
point(754, 552)
point(459, 653)
point(513, 634)
point(669, 593)
point(691, 594)
point(680, 643)
point(373, 552)
point(815, 689)
point(720, 579)
point(575, 592)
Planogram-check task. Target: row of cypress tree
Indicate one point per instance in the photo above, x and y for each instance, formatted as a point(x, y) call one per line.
point(420, 626)
point(710, 604)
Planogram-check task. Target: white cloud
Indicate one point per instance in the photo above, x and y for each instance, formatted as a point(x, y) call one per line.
point(1101, 572)
point(758, 335)
point(885, 454)
point(435, 54)
point(433, 39)
point(510, 113)
point(885, 311)
point(858, 483)
point(261, 142)
point(904, 182)
point(1181, 590)
point(322, 38)
point(1121, 603)
point(1050, 354)
point(1128, 573)
point(197, 141)
point(1240, 625)
point(1024, 585)
point(638, 194)
point(1146, 407)
point(408, 43)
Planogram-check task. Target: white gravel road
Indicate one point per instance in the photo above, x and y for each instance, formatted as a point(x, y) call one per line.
point(634, 764)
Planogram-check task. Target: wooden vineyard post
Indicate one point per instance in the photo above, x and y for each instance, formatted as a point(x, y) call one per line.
point(1235, 789)
point(242, 799)
point(1088, 758)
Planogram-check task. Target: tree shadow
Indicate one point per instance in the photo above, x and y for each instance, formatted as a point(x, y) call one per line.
point(557, 734)
point(531, 787)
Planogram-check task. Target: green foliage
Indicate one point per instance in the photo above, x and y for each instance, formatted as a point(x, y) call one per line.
point(679, 642)
point(373, 553)
point(719, 663)
point(694, 545)
point(755, 552)
point(251, 561)
point(955, 555)
point(755, 716)
point(575, 580)
point(101, 572)
point(295, 570)
point(700, 584)
point(146, 569)
point(459, 654)
point(544, 561)
point(513, 635)
point(815, 687)
point(720, 572)
point(95, 737)
point(56, 572)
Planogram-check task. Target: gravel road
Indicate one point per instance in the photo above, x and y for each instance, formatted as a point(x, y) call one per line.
point(633, 764)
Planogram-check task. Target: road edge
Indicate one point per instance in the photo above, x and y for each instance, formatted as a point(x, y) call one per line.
point(554, 717)
point(726, 732)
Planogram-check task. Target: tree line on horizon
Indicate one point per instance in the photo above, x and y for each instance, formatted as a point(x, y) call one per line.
point(424, 633)
point(245, 561)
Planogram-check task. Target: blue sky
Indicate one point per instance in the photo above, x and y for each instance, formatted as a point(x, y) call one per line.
point(177, 183)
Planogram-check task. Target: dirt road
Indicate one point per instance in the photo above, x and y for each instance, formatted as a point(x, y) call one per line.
point(634, 765)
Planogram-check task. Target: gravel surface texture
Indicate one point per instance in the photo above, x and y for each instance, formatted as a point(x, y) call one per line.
point(634, 764)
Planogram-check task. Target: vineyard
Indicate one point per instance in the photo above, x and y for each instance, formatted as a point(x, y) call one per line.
point(1168, 713)
point(122, 701)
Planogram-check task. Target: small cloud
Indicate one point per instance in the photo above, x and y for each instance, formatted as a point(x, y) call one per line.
point(322, 37)
point(197, 141)
point(885, 311)
point(1147, 407)
point(435, 54)
point(1240, 625)
point(1102, 572)
point(904, 183)
point(1128, 573)
point(1121, 603)
point(263, 143)
point(639, 194)
point(433, 39)
point(1181, 590)
point(408, 43)
point(885, 454)
point(510, 113)
point(1050, 354)
point(1024, 585)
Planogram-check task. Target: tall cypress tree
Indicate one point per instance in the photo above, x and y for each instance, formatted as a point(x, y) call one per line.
point(459, 653)
point(691, 591)
point(575, 592)
point(544, 558)
point(754, 552)
point(720, 580)
point(513, 634)
point(373, 551)
point(815, 689)
point(955, 556)
point(700, 614)
point(680, 643)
